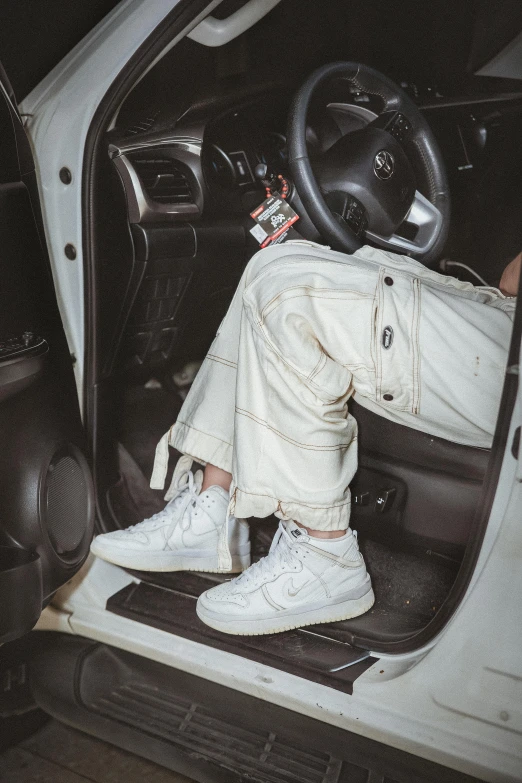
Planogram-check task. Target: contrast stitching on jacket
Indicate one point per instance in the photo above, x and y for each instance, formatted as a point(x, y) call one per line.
point(319, 366)
point(299, 372)
point(412, 351)
point(292, 502)
point(311, 292)
point(318, 258)
point(412, 338)
point(221, 360)
point(373, 336)
point(202, 432)
point(416, 347)
point(309, 446)
point(359, 366)
point(273, 347)
point(378, 324)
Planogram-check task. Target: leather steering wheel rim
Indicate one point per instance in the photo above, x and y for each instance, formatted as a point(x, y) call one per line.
point(420, 146)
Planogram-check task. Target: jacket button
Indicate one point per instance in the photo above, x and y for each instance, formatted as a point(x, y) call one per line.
point(387, 397)
point(388, 280)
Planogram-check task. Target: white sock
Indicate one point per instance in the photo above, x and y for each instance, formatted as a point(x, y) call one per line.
point(343, 546)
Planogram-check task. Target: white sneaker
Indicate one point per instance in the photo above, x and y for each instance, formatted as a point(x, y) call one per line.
point(182, 537)
point(302, 581)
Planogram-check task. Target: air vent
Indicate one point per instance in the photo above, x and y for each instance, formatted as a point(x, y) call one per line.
point(163, 180)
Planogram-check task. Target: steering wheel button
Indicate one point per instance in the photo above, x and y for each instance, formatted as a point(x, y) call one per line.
point(400, 127)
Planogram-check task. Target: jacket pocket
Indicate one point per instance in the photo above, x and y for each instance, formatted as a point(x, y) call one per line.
point(396, 341)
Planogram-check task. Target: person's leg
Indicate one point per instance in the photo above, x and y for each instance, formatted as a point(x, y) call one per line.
point(323, 533)
point(459, 336)
point(427, 350)
point(205, 428)
point(306, 328)
point(193, 532)
point(313, 331)
point(186, 534)
point(295, 446)
point(215, 477)
point(205, 425)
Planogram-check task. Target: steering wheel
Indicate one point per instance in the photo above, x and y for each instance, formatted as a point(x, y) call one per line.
point(385, 182)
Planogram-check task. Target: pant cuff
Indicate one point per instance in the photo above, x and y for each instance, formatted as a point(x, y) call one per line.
point(246, 504)
point(201, 446)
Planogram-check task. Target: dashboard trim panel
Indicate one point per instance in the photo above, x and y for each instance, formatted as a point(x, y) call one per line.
point(178, 142)
point(141, 208)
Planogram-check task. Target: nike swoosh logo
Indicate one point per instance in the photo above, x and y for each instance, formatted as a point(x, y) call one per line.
point(337, 560)
point(287, 593)
point(291, 593)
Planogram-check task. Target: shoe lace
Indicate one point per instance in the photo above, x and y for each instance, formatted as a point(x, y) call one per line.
point(187, 494)
point(280, 556)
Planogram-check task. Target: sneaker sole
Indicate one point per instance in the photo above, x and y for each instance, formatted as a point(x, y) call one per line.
point(170, 561)
point(331, 613)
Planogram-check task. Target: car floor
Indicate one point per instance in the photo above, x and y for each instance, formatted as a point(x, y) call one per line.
point(59, 754)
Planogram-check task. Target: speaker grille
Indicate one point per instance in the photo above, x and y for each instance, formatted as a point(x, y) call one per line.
point(67, 503)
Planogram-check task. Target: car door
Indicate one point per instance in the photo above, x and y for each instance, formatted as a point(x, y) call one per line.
point(46, 493)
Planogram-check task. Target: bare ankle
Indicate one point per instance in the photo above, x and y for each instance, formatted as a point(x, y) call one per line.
point(322, 533)
point(216, 477)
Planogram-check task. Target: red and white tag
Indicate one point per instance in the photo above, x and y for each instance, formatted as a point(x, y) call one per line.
point(273, 219)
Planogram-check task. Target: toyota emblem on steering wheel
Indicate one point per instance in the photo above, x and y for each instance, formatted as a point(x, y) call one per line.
point(383, 164)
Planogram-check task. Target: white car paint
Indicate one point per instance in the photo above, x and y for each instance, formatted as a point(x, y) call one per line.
point(458, 700)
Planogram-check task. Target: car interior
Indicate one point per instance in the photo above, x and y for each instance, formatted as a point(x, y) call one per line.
point(179, 154)
point(182, 165)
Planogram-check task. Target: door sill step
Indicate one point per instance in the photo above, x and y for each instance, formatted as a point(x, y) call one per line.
point(303, 652)
point(203, 730)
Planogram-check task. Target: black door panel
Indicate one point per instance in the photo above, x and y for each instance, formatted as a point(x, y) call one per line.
point(414, 488)
point(21, 584)
point(46, 495)
point(22, 359)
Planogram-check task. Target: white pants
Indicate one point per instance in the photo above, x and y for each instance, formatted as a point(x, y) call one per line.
point(309, 327)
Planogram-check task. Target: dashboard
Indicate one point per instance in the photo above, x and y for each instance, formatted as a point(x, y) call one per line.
point(235, 147)
point(234, 144)
point(202, 166)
